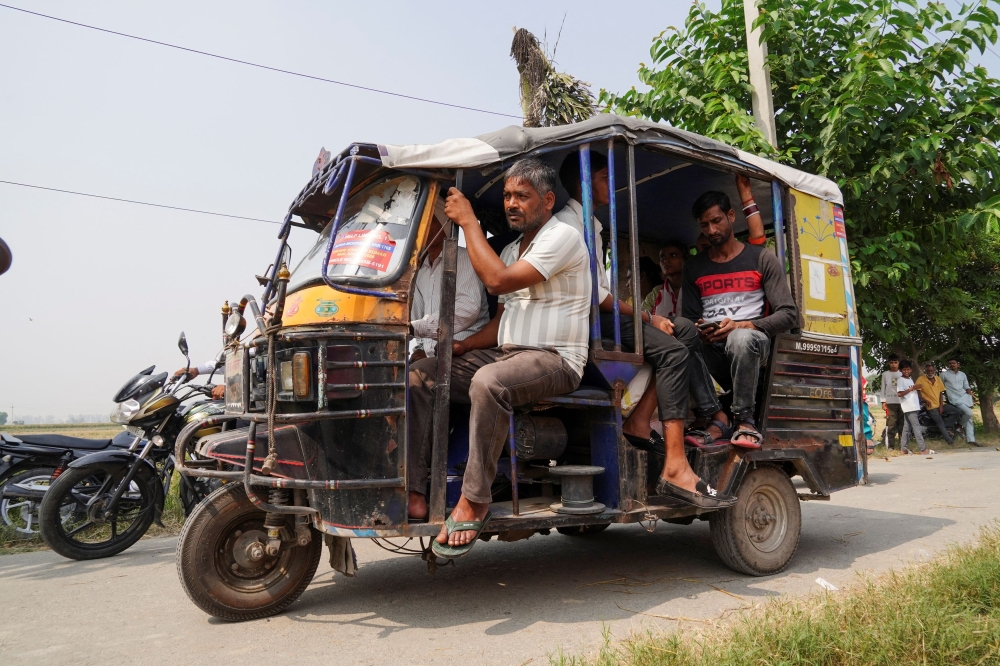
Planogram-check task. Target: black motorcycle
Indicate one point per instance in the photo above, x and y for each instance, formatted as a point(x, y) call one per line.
point(104, 502)
point(951, 416)
point(29, 463)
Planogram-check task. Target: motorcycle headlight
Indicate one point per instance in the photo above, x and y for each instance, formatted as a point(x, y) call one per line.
point(124, 411)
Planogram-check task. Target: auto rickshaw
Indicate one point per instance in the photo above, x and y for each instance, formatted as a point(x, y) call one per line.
point(322, 375)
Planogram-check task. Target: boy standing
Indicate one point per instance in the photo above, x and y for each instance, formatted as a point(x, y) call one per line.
point(890, 398)
point(909, 403)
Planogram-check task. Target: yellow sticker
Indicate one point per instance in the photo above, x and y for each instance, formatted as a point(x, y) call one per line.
point(847, 440)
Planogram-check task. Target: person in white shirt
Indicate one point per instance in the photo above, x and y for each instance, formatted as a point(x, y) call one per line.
point(890, 398)
point(208, 368)
point(535, 347)
point(665, 299)
point(959, 392)
point(909, 402)
point(471, 309)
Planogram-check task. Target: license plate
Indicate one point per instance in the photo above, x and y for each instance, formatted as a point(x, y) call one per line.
point(236, 390)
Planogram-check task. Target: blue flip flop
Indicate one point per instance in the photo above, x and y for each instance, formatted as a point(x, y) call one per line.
point(445, 551)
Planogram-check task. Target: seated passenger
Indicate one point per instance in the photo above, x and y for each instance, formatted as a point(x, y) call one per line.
point(665, 299)
point(471, 311)
point(741, 290)
point(671, 346)
point(535, 347)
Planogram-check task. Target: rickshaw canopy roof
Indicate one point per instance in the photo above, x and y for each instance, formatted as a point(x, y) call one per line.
point(506, 145)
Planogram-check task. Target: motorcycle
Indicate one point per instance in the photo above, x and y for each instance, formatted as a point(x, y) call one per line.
point(29, 463)
point(106, 501)
point(951, 417)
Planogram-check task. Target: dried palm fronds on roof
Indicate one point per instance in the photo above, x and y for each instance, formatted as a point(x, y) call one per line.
point(548, 97)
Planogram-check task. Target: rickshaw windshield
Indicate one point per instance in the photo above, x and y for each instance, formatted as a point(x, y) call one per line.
point(374, 238)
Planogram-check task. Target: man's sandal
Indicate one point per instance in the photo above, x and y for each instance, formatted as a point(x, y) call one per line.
point(445, 551)
point(702, 438)
point(704, 496)
point(747, 431)
point(654, 443)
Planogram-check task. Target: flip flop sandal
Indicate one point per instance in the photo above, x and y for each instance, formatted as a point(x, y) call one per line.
point(445, 551)
point(653, 443)
point(707, 439)
point(704, 496)
point(747, 432)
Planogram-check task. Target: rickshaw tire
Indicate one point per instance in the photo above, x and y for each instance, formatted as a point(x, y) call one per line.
point(196, 534)
point(583, 530)
point(764, 488)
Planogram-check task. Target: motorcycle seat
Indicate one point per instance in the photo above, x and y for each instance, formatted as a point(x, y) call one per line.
point(66, 442)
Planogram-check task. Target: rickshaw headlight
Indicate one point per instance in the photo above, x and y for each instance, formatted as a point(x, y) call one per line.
point(300, 375)
point(294, 375)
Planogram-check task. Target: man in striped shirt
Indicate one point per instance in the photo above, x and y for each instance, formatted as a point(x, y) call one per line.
point(471, 310)
point(535, 346)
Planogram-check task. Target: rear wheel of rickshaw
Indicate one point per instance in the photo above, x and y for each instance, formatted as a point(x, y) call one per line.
point(760, 533)
point(224, 566)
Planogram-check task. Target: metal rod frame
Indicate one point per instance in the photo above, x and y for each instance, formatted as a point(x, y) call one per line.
point(613, 221)
point(587, 196)
point(633, 231)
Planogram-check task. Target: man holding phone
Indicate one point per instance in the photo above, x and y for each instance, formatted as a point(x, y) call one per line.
point(738, 297)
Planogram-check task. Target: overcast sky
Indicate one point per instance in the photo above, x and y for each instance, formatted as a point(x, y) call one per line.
point(99, 289)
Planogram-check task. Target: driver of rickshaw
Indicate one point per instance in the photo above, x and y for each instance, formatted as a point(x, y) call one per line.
point(670, 345)
point(535, 346)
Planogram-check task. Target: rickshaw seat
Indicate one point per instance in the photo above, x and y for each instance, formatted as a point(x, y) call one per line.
point(585, 396)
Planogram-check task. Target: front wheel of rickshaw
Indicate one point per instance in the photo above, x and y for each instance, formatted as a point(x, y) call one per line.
point(760, 533)
point(224, 567)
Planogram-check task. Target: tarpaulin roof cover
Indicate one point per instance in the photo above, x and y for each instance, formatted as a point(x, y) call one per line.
point(512, 142)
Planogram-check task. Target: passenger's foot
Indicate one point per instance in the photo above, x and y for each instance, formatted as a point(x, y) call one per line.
point(747, 436)
point(464, 511)
point(704, 432)
point(640, 437)
point(417, 508)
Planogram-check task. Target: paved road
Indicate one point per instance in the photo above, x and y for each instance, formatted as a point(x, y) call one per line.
point(506, 604)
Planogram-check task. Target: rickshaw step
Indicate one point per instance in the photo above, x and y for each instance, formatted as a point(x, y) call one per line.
point(365, 387)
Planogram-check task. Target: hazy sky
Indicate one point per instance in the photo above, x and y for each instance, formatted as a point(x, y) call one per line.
point(99, 289)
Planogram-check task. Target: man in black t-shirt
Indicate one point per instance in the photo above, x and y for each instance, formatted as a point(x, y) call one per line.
point(738, 295)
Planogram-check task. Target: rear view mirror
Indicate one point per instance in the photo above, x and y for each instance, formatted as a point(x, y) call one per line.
point(182, 344)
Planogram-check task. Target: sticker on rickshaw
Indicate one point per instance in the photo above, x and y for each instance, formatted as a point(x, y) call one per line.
point(327, 308)
point(838, 222)
point(292, 306)
point(369, 249)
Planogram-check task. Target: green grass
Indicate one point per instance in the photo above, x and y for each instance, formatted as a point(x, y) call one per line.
point(946, 612)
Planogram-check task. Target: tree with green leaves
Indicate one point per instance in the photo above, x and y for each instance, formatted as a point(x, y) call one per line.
point(3, 418)
point(548, 97)
point(881, 97)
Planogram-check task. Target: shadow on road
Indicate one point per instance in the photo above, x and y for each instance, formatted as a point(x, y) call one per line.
point(610, 576)
point(48, 565)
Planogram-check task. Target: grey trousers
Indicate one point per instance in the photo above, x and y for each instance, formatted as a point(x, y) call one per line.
point(493, 381)
point(911, 426)
point(939, 422)
point(735, 364)
point(966, 422)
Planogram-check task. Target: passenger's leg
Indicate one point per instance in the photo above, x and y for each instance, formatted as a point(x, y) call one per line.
point(904, 439)
point(706, 402)
point(519, 376)
point(894, 422)
point(422, 379)
point(746, 349)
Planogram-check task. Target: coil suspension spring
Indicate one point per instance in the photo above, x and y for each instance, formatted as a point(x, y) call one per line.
point(276, 497)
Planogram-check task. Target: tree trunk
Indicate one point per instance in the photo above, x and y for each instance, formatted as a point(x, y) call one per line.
point(990, 421)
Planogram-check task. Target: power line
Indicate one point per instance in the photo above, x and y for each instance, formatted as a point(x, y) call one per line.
point(141, 203)
point(258, 65)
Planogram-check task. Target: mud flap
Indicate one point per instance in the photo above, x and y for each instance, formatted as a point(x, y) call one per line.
point(342, 555)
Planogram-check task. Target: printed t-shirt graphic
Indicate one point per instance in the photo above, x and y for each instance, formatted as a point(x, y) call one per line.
point(749, 287)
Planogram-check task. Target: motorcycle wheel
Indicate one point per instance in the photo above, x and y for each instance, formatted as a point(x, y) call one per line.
point(19, 513)
point(224, 568)
point(73, 519)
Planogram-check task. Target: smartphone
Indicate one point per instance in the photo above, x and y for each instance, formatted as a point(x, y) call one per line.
point(707, 326)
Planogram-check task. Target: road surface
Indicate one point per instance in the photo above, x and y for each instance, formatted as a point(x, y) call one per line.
point(506, 603)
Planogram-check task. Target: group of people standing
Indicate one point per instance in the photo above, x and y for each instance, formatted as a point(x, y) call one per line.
point(716, 322)
point(904, 398)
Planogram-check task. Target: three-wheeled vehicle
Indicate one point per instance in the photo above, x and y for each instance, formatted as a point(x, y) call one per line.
point(324, 457)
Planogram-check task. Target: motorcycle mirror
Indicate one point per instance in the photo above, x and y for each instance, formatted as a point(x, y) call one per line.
point(6, 257)
point(182, 344)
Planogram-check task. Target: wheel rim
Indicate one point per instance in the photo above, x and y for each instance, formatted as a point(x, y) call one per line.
point(21, 513)
point(87, 520)
point(241, 558)
point(766, 519)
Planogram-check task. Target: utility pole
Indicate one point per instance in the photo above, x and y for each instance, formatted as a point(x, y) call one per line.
point(760, 76)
